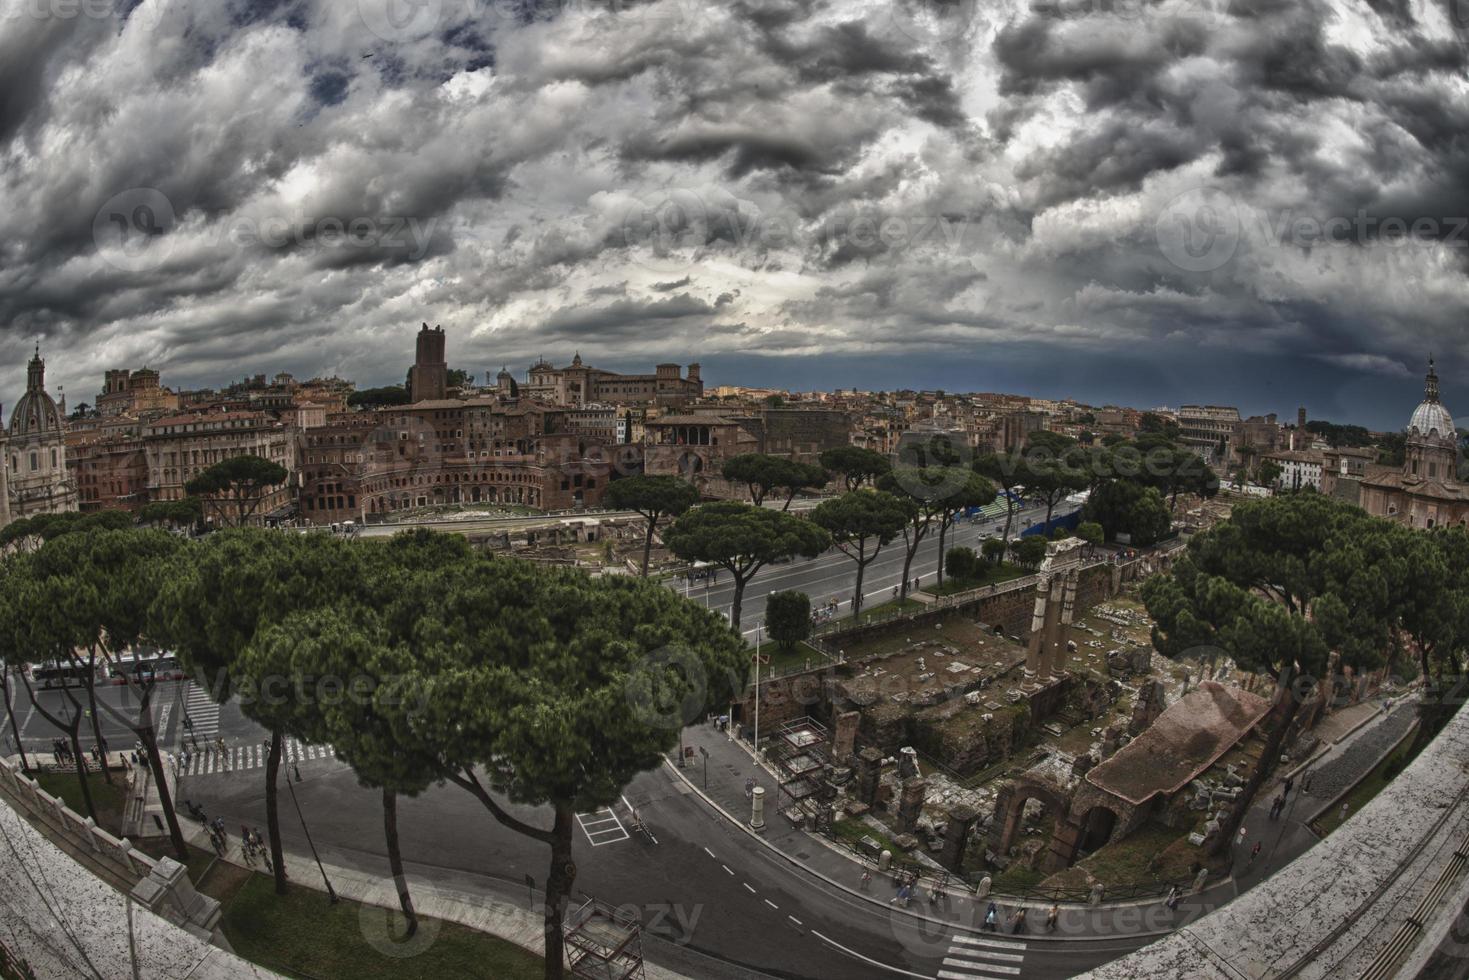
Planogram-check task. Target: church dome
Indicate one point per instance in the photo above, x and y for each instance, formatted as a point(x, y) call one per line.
point(1430, 418)
point(35, 413)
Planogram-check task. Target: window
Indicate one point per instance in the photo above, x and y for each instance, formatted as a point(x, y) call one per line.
point(33, 462)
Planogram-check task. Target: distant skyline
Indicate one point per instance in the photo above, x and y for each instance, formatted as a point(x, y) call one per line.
point(1260, 202)
point(1338, 394)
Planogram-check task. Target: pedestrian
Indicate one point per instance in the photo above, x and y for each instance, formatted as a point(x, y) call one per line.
point(749, 787)
point(1306, 783)
point(1344, 811)
point(1051, 917)
point(895, 592)
point(1174, 896)
point(1254, 853)
point(866, 879)
point(1239, 841)
point(1017, 921)
point(991, 917)
point(1289, 782)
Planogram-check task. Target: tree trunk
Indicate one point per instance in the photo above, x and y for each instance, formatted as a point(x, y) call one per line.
point(1009, 520)
point(97, 731)
point(648, 545)
point(910, 553)
point(943, 536)
point(272, 811)
point(736, 601)
point(76, 750)
point(1280, 716)
point(857, 595)
point(1050, 506)
point(395, 859)
point(558, 889)
point(149, 737)
point(5, 685)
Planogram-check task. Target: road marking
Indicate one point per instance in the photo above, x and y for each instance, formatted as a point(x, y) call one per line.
point(867, 959)
point(726, 869)
point(794, 919)
point(976, 958)
point(608, 829)
point(747, 887)
point(985, 954)
point(772, 905)
point(710, 853)
point(991, 943)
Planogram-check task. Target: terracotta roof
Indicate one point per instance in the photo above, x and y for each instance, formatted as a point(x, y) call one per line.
point(690, 420)
point(1188, 737)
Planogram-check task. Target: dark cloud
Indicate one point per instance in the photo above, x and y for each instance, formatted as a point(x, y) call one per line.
point(740, 182)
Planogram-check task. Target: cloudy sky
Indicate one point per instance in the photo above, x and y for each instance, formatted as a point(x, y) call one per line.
point(1254, 202)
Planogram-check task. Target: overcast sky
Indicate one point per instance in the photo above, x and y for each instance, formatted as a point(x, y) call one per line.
point(1243, 201)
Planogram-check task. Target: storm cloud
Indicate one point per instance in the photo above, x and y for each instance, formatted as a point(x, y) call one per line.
point(241, 187)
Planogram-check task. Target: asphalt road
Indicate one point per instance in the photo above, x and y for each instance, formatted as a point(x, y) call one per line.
point(714, 902)
point(834, 575)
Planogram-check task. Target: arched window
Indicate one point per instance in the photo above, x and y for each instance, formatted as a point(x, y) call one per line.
point(33, 462)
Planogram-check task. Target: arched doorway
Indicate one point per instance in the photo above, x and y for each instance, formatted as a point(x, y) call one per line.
point(1097, 827)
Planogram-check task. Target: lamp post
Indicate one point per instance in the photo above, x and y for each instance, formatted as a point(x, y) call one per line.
point(330, 891)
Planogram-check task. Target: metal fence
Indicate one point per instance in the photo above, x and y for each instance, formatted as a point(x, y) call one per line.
point(929, 879)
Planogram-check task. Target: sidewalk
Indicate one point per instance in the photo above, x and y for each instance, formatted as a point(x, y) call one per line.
point(431, 899)
point(730, 764)
point(1330, 774)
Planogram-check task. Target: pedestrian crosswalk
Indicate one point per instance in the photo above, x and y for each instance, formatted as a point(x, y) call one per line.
point(977, 958)
point(202, 713)
point(209, 761)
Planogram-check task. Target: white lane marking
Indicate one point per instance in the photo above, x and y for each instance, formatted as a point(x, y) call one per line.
point(991, 943)
point(867, 959)
point(772, 905)
point(973, 970)
point(794, 919)
point(726, 869)
point(710, 853)
point(748, 888)
point(983, 954)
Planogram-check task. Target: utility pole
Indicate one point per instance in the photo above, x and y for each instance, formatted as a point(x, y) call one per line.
point(330, 891)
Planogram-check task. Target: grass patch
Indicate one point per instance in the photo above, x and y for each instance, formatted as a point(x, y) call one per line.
point(993, 576)
point(1016, 879)
point(798, 657)
point(108, 797)
point(300, 934)
point(852, 831)
point(1131, 861)
point(1368, 787)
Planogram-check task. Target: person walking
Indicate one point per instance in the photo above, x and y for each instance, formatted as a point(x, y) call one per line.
point(1017, 921)
point(1289, 782)
point(991, 917)
point(1174, 896)
point(1051, 917)
point(1306, 783)
point(866, 879)
point(1254, 853)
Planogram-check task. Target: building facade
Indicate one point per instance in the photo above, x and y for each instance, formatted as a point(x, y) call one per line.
point(428, 378)
point(1426, 491)
point(36, 477)
point(180, 447)
point(577, 384)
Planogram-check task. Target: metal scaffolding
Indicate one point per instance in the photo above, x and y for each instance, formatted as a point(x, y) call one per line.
point(801, 753)
point(603, 944)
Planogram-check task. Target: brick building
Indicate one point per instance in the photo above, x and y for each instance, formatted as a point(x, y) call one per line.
point(578, 384)
point(180, 447)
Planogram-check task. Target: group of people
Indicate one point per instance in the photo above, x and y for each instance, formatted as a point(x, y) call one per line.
point(825, 612)
point(1279, 803)
point(209, 751)
point(1016, 922)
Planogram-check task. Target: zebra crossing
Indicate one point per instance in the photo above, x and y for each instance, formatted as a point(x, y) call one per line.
point(976, 958)
point(202, 712)
point(243, 758)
